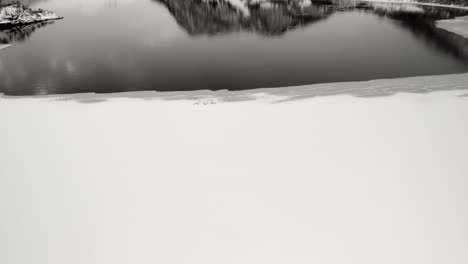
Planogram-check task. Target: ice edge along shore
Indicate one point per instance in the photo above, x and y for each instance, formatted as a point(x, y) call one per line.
point(376, 87)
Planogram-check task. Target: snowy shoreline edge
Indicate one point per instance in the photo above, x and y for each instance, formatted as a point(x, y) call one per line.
point(417, 3)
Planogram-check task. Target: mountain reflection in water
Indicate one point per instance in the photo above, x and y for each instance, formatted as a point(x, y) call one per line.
point(269, 18)
point(181, 45)
point(274, 17)
point(211, 17)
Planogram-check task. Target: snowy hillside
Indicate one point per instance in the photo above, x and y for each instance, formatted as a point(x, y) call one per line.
point(17, 14)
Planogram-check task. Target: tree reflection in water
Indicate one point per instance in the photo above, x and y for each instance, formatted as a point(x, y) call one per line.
point(20, 33)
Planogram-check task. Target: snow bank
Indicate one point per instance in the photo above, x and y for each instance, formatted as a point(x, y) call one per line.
point(3, 46)
point(458, 25)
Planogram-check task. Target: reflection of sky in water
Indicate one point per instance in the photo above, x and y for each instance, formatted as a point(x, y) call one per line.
point(78, 46)
point(128, 45)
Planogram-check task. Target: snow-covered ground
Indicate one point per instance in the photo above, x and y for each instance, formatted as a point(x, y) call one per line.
point(367, 174)
point(329, 180)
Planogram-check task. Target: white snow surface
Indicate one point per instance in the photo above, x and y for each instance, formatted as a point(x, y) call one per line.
point(458, 25)
point(325, 180)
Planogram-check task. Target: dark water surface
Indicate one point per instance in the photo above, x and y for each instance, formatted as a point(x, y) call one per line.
point(130, 45)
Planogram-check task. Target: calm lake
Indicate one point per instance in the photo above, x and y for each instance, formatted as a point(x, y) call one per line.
point(176, 45)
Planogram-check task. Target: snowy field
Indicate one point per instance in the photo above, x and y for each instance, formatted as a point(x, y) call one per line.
point(333, 179)
point(334, 173)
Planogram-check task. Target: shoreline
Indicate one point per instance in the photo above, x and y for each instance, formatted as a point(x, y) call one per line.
point(11, 25)
point(360, 89)
point(418, 3)
point(457, 25)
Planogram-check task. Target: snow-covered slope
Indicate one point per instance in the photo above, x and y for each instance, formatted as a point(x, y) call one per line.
point(17, 14)
point(458, 25)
